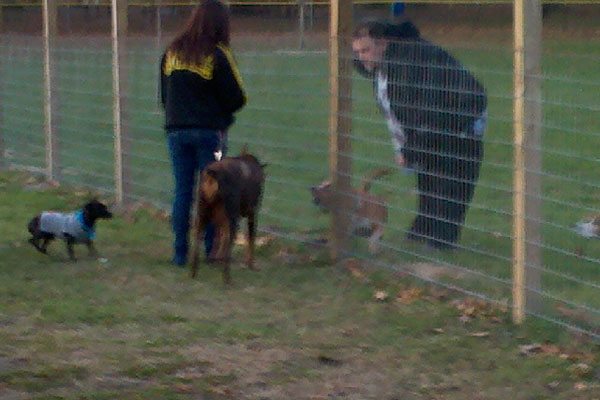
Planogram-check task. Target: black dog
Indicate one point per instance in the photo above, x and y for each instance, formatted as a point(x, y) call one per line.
point(76, 227)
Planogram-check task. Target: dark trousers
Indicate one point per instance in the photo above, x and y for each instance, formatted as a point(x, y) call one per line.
point(191, 150)
point(448, 169)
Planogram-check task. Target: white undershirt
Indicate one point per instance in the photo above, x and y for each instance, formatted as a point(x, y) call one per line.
point(396, 131)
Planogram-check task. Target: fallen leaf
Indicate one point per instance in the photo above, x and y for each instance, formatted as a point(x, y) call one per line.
point(409, 295)
point(577, 356)
point(380, 295)
point(438, 330)
point(439, 294)
point(553, 384)
point(162, 214)
point(353, 266)
point(182, 388)
point(571, 313)
point(465, 319)
point(581, 386)
point(470, 311)
point(357, 273)
point(265, 240)
point(329, 361)
point(285, 255)
point(580, 370)
point(550, 349)
point(241, 240)
point(530, 349)
point(480, 334)
point(350, 263)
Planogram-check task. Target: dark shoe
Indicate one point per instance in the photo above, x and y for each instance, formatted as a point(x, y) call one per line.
point(178, 261)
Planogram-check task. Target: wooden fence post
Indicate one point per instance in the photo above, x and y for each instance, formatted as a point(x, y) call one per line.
point(50, 12)
point(527, 158)
point(340, 127)
point(122, 142)
point(3, 161)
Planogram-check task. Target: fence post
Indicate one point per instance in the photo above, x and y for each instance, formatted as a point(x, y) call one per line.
point(301, 24)
point(3, 161)
point(49, 14)
point(340, 126)
point(121, 139)
point(527, 159)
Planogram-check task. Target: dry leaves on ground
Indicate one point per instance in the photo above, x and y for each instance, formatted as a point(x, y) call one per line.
point(354, 267)
point(242, 240)
point(472, 308)
point(380, 295)
point(409, 295)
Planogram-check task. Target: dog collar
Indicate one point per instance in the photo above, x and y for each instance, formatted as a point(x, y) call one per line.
point(87, 229)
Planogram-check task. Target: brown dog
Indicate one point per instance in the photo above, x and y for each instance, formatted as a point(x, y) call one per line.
point(229, 189)
point(369, 212)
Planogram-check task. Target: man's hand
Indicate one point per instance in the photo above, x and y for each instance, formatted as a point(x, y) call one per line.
point(400, 160)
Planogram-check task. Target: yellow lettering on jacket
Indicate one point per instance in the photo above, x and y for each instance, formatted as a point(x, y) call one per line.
point(205, 68)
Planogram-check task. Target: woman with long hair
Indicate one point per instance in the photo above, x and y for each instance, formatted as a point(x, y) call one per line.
point(200, 89)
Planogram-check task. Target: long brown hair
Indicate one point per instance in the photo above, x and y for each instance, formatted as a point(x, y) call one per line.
point(207, 27)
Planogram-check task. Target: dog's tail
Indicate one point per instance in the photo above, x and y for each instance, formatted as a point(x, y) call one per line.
point(366, 183)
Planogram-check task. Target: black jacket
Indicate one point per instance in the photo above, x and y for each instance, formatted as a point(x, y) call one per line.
point(430, 91)
point(204, 95)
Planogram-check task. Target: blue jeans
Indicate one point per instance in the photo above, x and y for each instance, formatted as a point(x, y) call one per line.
point(191, 151)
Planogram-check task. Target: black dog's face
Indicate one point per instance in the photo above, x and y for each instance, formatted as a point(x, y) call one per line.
point(95, 209)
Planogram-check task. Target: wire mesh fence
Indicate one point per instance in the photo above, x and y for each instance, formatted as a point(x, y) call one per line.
point(286, 122)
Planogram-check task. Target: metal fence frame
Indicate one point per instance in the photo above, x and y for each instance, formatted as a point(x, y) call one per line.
point(526, 280)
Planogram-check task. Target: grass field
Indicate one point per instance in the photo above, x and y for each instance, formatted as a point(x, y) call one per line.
point(130, 326)
point(286, 123)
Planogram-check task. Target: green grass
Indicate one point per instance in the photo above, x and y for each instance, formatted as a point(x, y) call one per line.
point(133, 327)
point(286, 124)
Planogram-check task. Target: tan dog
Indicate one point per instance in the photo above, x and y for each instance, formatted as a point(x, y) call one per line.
point(369, 212)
